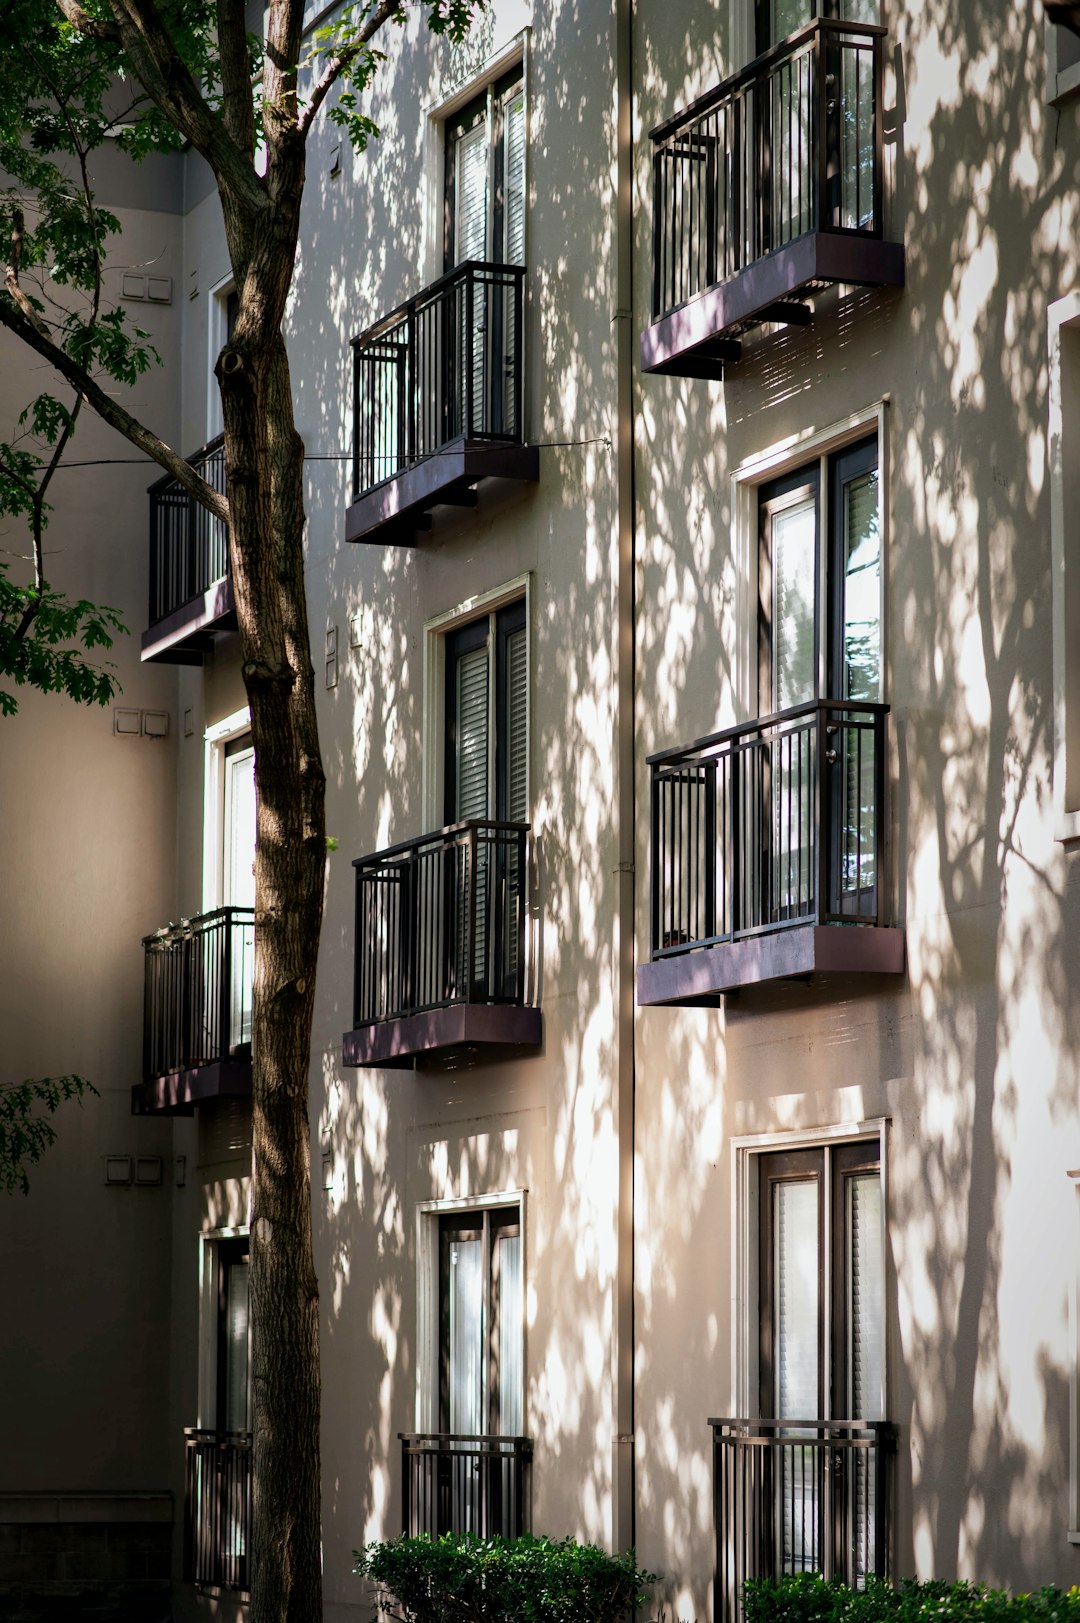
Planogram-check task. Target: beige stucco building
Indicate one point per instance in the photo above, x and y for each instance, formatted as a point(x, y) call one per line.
point(663, 371)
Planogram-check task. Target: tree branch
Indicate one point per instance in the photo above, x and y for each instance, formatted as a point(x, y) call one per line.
point(143, 34)
point(237, 107)
point(111, 412)
point(336, 65)
point(92, 27)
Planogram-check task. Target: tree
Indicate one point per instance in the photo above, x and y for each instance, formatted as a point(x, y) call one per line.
point(25, 1129)
point(162, 73)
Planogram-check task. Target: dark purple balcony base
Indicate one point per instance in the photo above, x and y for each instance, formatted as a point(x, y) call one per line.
point(399, 1042)
point(700, 977)
point(701, 336)
point(392, 513)
point(184, 637)
point(179, 1093)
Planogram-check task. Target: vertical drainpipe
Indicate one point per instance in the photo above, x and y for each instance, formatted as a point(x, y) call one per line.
point(624, 1478)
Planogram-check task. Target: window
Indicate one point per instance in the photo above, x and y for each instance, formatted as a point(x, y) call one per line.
point(820, 638)
point(811, 1357)
point(1062, 61)
point(480, 1322)
point(486, 718)
point(774, 20)
point(1064, 448)
point(820, 627)
point(233, 1384)
point(484, 177)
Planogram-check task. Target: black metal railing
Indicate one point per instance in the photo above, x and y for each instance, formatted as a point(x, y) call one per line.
point(189, 547)
point(459, 1484)
point(445, 365)
point(197, 991)
point(776, 823)
point(217, 1508)
point(791, 144)
point(441, 920)
point(799, 1496)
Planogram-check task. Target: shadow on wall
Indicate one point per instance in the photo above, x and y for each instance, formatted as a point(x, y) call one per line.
point(976, 1057)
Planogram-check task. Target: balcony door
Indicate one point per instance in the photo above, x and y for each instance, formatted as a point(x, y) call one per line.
point(484, 220)
point(481, 1365)
point(821, 1355)
point(238, 881)
point(776, 19)
point(819, 637)
point(486, 778)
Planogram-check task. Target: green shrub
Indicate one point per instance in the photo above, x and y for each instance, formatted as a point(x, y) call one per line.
point(807, 1598)
point(526, 1580)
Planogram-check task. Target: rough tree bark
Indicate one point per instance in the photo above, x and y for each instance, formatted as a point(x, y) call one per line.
point(264, 511)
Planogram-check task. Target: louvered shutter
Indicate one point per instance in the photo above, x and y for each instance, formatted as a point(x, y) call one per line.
point(513, 245)
point(237, 1316)
point(472, 735)
point(471, 194)
point(517, 742)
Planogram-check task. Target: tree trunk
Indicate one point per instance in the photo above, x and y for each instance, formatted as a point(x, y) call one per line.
point(264, 481)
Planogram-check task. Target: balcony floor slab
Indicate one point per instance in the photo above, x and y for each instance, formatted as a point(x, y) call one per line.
point(697, 339)
point(699, 977)
point(389, 513)
point(463, 1025)
point(179, 1093)
point(184, 636)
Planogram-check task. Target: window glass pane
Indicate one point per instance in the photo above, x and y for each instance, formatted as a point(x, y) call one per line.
point(514, 179)
point(861, 11)
point(795, 1310)
point(785, 16)
point(470, 194)
point(466, 1296)
point(517, 808)
point(511, 1420)
point(471, 766)
point(862, 588)
point(866, 1295)
point(793, 600)
point(237, 1313)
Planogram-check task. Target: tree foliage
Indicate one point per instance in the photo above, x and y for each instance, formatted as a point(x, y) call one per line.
point(463, 1579)
point(153, 76)
point(26, 1128)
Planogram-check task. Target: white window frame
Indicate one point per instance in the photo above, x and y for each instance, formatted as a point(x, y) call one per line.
point(1062, 79)
point(746, 1152)
point(215, 739)
point(208, 1319)
point(428, 1213)
point(217, 326)
point(1063, 344)
point(515, 51)
point(784, 457)
point(436, 631)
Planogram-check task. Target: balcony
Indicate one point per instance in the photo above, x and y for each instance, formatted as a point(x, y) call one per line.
point(191, 595)
point(440, 947)
point(217, 1509)
point(452, 1484)
point(197, 1012)
point(437, 403)
point(767, 856)
point(799, 1496)
point(767, 191)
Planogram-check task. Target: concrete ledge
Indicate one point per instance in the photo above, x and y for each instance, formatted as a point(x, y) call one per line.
point(682, 343)
point(183, 637)
point(179, 1093)
point(462, 1025)
point(706, 973)
point(388, 512)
